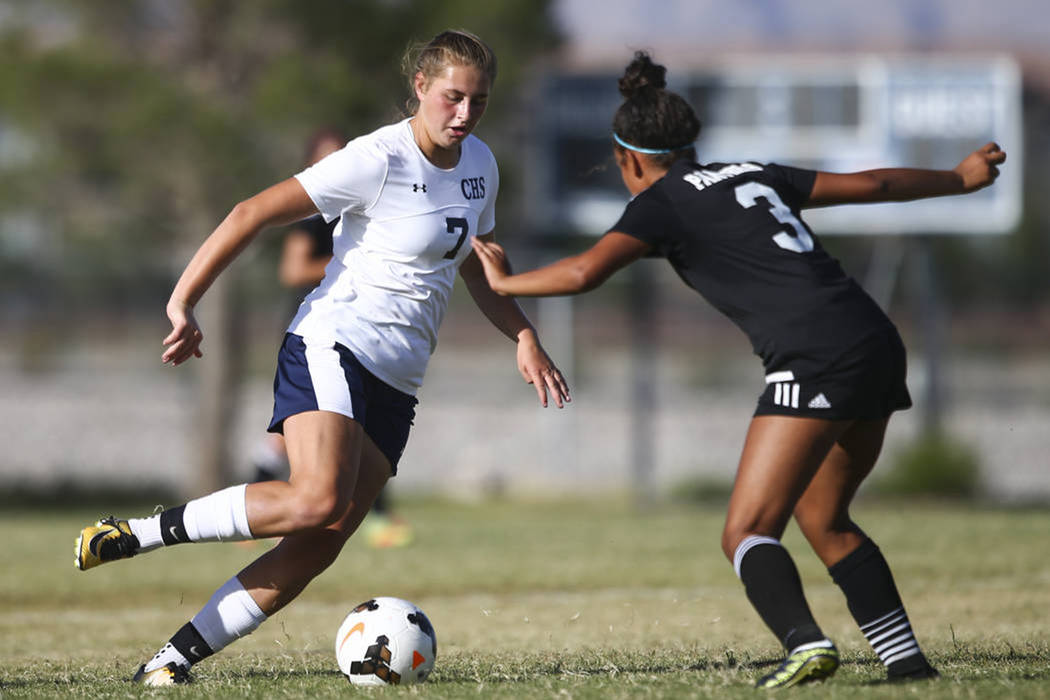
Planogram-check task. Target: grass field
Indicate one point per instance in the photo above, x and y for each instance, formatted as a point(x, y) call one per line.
point(538, 600)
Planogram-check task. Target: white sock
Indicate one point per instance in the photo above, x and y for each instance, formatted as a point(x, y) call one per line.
point(218, 517)
point(147, 530)
point(230, 614)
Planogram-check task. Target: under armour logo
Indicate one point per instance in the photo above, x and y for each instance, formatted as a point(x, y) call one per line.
point(419, 188)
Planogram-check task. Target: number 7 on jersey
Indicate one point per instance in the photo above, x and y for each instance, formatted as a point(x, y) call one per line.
point(453, 224)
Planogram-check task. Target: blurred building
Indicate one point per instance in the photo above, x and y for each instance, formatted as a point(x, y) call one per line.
point(100, 408)
point(693, 33)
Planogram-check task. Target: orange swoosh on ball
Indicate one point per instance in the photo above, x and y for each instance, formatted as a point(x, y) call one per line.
point(417, 659)
point(359, 627)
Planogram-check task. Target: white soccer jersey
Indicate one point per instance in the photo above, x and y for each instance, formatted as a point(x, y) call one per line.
point(405, 227)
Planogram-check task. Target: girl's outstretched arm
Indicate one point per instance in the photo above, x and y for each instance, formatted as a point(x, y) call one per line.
point(572, 275)
point(976, 171)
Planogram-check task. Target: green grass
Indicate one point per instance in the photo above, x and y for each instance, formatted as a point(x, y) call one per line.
point(538, 600)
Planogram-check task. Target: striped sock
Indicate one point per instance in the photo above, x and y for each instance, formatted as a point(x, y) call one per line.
point(873, 600)
point(891, 637)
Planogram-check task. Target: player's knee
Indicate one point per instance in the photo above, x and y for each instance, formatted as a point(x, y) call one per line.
point(732, 535)
point(830, 533)
point(736, 530)
point(813, 525)
point(818, 525)
point(315, 509)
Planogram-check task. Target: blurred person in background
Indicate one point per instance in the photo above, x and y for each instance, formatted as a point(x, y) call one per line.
point(834, 362)
point(409, 196)
point(306, 250)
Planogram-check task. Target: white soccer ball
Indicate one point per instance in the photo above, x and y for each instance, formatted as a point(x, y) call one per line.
point(386, 641)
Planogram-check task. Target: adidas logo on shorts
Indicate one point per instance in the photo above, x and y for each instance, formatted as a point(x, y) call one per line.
point(819, 401)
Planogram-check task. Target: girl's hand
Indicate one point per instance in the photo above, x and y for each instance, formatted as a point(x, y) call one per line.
point(978, 170)
point(185, 338)
point(538, 369)
point(494, 260)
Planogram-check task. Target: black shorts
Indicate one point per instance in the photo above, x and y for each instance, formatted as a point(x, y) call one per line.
point(327, 377)
point(867, 382)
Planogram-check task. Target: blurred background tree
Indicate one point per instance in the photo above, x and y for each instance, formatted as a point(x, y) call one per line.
point(129, 128)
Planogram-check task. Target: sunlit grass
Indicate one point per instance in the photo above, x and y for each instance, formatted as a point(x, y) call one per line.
point(584, 599)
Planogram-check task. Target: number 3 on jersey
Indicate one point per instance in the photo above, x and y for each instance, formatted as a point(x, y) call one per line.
point(453, 224)
point(747, 196)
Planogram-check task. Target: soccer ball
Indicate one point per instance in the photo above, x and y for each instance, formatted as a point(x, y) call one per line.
point(386, 641)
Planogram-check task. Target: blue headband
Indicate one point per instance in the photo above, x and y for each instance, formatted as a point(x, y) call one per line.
point(649, 151)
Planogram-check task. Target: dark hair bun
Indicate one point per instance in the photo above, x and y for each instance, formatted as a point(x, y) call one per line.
point(641, 74)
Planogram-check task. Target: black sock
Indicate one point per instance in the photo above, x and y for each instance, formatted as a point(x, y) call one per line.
point(873, 600)
point(172, 529)
point(189, 642)
point(774, 588)
point(184, 649)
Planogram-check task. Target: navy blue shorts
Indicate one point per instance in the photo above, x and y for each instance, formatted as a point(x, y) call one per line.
point(867, 382)
point(327, 377)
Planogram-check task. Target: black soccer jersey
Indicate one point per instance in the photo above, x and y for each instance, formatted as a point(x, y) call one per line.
point(734, 233)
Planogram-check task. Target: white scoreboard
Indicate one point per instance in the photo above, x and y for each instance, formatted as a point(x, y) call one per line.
point(835, 113)
point(873, 112)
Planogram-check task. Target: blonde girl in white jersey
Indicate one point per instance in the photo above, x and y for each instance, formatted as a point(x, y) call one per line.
point(411, 196)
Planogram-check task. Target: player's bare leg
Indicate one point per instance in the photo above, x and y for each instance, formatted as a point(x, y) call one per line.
point(317, 493)
point(324, 452)
point(781, 454)
point(853, 560)
point(822, 512)
point(277, 577)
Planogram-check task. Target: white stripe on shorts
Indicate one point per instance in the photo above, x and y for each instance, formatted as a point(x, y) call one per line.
point(785, 376)
point(328, 378)
point(786, 395)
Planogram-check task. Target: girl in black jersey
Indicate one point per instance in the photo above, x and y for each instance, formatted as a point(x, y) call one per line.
point(835, 365)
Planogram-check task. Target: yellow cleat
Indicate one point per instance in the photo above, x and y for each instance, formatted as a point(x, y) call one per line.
point(804, 665)
point(169, 674)
point(107, 540)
